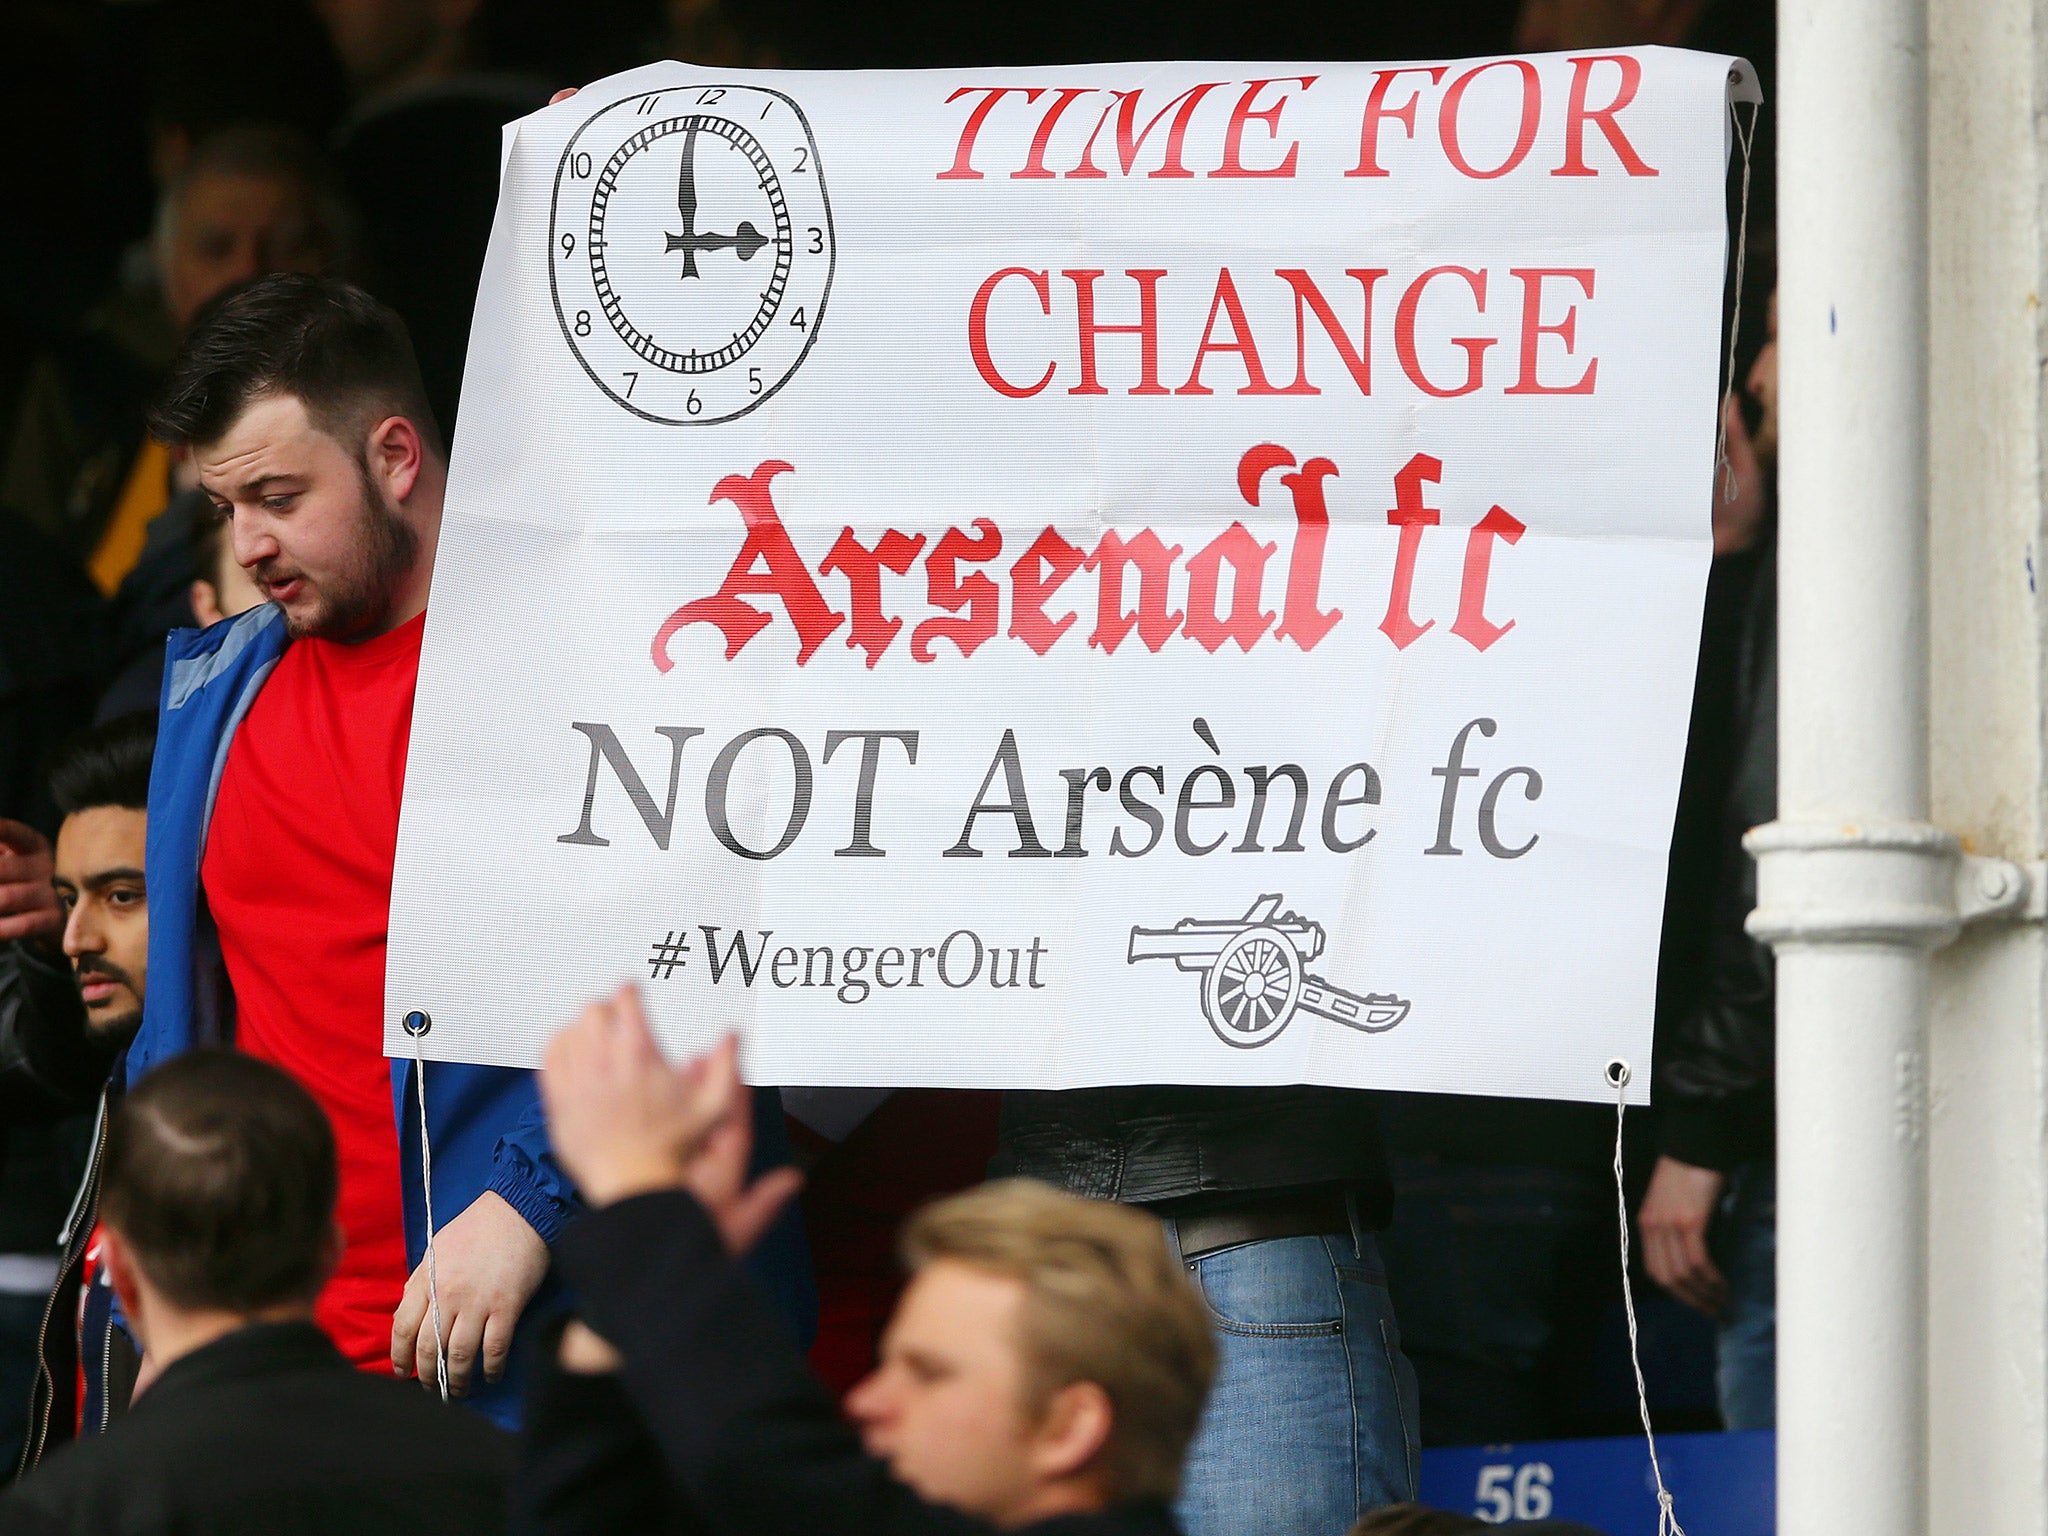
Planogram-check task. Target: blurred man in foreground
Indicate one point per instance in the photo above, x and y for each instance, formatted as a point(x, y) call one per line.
point(1046, 1367)
point(219, 1217)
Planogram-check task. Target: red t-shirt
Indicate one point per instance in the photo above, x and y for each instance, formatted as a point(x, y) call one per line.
point(298, 876)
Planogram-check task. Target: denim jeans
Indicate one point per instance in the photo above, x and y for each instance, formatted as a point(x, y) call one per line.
point(1312, 1420)
point(1746, 1243)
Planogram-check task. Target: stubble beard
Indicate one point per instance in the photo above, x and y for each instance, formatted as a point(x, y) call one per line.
point(119, 1028)
point(360, 598)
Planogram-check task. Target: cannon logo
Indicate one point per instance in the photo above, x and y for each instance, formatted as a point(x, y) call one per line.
point(1253, 977)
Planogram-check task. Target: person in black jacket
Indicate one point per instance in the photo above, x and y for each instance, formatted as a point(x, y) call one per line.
point(46, 1076)
point(50, 1065)
point(82, 924)
point(70, 1001)
point(1045, 1370)
point(1709, 1218)
point(218, 1206)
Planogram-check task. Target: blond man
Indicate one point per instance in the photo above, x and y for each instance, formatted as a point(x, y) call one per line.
point(1048, 1362)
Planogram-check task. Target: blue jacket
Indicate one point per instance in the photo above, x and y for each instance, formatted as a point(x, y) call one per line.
point(485, 1123)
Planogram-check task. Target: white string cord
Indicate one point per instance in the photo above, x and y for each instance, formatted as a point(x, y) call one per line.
point(1746, 138)
point(1667, 1516)
point(419, 1085)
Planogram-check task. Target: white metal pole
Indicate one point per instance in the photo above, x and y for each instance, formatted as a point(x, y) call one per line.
point(1855, 888)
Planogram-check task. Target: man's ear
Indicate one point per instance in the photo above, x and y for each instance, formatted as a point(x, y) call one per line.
point(395, 453)
point(1072, 1431)
point(206, 604)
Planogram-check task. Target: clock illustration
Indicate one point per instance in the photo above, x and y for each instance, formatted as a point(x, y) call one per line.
point(690, 249)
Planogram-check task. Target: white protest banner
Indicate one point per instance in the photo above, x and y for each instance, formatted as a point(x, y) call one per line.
point(1032, 578)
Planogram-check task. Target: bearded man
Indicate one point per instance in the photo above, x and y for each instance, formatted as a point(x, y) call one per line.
point(72, 981)
point(273, 824)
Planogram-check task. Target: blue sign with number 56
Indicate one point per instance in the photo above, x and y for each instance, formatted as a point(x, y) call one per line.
point(1723, 1484)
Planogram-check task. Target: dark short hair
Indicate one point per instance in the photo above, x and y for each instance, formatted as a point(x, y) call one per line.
point(220, 1177)
point(320, 340)
point(107, 765)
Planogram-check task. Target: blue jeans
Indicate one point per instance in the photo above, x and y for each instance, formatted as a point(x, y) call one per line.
point(1746, 1243)
point(1312, 1420)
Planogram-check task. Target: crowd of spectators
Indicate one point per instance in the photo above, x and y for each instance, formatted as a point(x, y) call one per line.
point(231, 344)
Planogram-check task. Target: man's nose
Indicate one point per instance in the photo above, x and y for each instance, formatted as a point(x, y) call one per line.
point(82, 935)
point(868, 1403)
point(251, 542)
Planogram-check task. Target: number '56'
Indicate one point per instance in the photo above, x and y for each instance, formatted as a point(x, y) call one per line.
point(1513, 1493)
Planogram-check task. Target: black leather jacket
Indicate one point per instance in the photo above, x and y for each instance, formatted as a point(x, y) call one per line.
point(49, 1064)
point(50, 1067)
point(1716, 1080)
point(1158, 1144)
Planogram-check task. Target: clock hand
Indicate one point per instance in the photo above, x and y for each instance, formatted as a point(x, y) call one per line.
point(746, 240)
point(686, 204)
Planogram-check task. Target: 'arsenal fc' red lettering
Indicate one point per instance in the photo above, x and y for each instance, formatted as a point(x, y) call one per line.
point(1223, 595)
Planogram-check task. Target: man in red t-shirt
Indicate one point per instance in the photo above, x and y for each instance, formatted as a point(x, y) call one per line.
point(320, 452)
